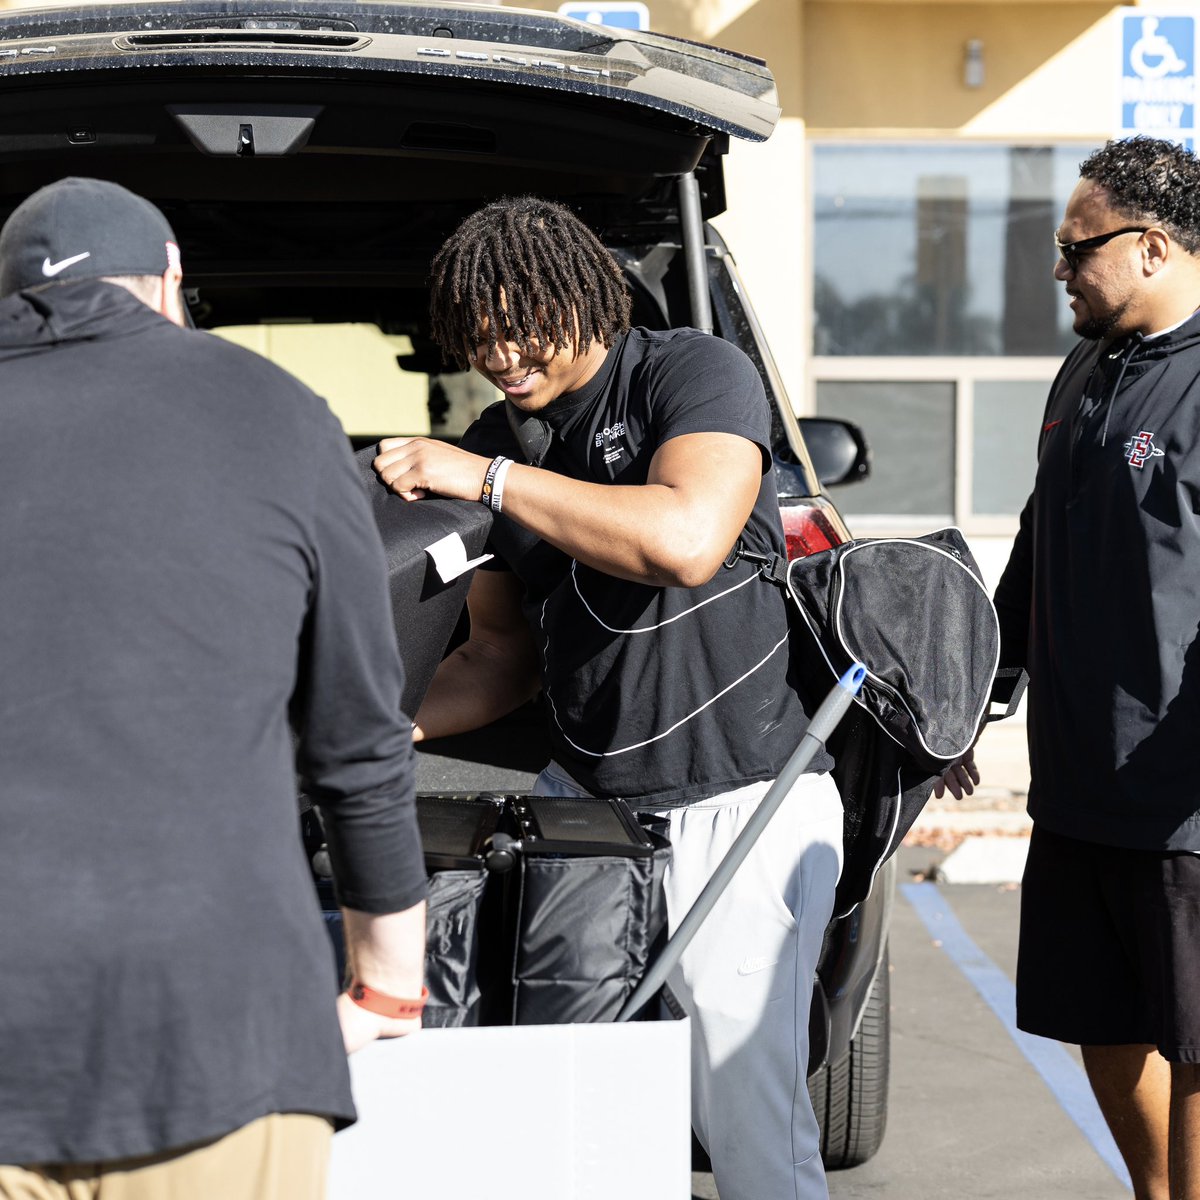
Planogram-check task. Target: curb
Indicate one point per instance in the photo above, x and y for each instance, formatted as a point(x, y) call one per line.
point(986, 844)
point(980, 821)
point(994, 860)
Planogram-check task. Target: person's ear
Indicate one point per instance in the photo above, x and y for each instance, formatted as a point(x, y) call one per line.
point(1157, 249)
point(172, 303)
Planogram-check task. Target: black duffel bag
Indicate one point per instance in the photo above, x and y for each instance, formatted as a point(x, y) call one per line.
point(916, 614)
point(425, 607)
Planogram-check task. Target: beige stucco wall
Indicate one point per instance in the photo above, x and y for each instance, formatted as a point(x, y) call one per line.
point(890, 69)
point(897, 69)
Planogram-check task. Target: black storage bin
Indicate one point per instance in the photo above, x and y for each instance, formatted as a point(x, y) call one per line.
point(455, 831)
point(586, 925)
point(561, 933)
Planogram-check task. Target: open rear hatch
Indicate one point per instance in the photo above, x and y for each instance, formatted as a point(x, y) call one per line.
point(320, 145)
point(312, 156)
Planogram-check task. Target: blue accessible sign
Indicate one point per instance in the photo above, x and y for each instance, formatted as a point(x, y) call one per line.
point(1158, 75)
point(623, 14)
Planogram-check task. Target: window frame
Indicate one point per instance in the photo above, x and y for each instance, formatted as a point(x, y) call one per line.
point(963, 371)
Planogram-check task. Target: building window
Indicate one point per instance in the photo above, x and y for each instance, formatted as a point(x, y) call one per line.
point(937, 324)
point(939, 250)
point(1007, 418)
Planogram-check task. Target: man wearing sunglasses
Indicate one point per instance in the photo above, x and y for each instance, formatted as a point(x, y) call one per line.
point(1101, 602)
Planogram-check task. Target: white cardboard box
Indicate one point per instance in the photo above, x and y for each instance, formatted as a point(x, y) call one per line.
point(533, 1112)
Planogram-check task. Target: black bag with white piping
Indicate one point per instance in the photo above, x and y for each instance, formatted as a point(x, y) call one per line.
point(915, 613)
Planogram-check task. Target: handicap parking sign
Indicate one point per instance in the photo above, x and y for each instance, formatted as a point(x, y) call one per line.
point(623, 14)
point(1158, 74)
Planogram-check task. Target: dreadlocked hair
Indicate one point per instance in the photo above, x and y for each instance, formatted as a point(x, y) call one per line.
point(1151, 179)
point(534, 273)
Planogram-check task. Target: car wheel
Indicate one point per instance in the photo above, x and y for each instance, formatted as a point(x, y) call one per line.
point(849, 1096)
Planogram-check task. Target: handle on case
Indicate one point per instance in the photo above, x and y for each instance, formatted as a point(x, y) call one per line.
point(832, 709)
point(501, 853)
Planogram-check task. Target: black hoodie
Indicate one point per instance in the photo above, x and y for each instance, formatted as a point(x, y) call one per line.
point(185, 550)
point(1101, 596)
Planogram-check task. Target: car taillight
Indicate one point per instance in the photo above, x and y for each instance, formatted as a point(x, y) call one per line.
point(807, 530)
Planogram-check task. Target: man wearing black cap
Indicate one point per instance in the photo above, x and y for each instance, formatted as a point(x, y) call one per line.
point(61, 235)
point(188, 562)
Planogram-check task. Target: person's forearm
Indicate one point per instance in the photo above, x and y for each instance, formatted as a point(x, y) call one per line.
point(645, 534)
point(674, 530)
point(472, 687)
point(386, 951)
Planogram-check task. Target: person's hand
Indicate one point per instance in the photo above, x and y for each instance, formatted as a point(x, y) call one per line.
point(960, 779)
point(414, 467)
point(359, 1026)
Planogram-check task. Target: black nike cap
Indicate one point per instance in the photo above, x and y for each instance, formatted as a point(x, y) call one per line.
point(83, 229)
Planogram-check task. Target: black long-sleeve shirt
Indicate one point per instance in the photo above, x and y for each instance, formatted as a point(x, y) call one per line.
point(1101, 596)
point(186, 554)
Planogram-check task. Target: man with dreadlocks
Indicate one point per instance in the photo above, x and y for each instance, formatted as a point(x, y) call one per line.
point(665, 673)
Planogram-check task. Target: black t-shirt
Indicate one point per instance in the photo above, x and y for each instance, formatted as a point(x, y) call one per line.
point(658, 694)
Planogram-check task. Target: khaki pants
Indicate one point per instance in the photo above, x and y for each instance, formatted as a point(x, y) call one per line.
point(278, 1157)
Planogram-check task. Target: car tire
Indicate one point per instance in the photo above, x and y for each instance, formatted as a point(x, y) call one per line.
point(850, 1095)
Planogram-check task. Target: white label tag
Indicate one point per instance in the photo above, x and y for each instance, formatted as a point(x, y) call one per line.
point(450, 557)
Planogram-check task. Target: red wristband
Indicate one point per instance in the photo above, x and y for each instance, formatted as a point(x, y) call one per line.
point(383, 1005)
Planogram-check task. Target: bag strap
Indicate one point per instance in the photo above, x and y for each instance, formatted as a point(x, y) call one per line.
point(533, 435)
point(772, 567)
point(1007, 689)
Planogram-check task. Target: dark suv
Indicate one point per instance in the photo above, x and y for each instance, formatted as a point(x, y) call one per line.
point(312, 155)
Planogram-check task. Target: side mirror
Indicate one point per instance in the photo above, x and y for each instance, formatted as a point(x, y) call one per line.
point(838, 450)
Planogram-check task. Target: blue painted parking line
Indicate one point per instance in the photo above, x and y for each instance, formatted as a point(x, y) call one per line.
point(1060, 1072)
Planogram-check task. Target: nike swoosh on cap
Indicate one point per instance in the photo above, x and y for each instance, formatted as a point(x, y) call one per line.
point(50, 269)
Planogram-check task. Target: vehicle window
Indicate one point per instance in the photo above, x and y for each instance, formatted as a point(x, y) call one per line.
point(358, 369)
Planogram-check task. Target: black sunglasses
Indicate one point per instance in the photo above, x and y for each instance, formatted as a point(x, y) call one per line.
point(1072, 252)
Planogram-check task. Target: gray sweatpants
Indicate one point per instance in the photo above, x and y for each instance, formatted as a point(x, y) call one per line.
point(746, 979)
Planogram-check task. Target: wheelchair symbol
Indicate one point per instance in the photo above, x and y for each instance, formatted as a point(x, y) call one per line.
point(1152, 55)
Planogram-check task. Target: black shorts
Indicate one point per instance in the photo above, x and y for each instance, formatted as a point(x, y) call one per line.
point(1110, 946)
